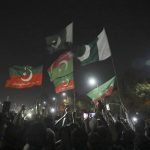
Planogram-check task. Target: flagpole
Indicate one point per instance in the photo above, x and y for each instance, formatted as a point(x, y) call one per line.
point(115, 73)
point(74, 106)
point(7, 99)
point(74, 100)
point(117, 82)
point(122, 105)
point(74, 94)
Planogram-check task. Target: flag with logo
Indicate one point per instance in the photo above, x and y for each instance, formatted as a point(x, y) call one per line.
point(97, 50)
point(24, 77)
point(64, 83)
point(61, 40)
point(103, 90)
point(62, 66)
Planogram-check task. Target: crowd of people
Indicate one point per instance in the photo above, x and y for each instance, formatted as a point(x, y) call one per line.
point(70, 132)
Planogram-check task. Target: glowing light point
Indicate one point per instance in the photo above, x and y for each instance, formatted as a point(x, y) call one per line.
point(52, 110)
point(64, 94)
point(134, 119)
point(29, 115)
point(92, 81)
point(54, 98)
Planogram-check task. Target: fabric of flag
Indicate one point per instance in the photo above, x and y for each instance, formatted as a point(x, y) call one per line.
point(64, 83)
point(61, 40)
point(62, 66)
point(97, 50)
point(24, 77)
point(103, 90)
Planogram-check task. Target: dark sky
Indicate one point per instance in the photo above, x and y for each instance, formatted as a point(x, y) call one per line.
point(24, 26)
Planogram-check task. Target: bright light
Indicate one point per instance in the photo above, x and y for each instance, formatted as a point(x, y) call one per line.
point(64, 94)
point(44, 102)
point(54, 98)
point(107, 107)
point(65, 100)
point(85, 115)
point(52, 110)
point(92, 81)
point(29, 115)
point(135, 119)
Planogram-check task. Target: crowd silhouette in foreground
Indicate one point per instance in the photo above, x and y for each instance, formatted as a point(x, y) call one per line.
point(70, 132)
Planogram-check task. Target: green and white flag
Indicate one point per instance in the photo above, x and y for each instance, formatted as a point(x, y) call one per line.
point(103, 90)
point(61, 40)
point(97, 50)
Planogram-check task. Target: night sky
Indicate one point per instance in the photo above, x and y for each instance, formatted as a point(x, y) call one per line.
point(25, 25)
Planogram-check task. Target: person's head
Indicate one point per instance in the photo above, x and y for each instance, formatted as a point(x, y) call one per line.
point(119, 128)
point(100, 138)
point(79, 138)
point(49, 122)
point(128, 136)
point(139, 126)
point(117, 147)
point(36, 134)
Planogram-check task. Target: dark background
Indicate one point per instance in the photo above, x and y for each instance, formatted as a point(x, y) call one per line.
point(25, 25)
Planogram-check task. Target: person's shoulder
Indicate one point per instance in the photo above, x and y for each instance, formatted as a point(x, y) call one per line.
point(26, 147)
point(50, 131)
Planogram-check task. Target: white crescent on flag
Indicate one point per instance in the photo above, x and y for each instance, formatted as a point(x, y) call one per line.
point(63, 62)
point(25, 73)
point(57, 43)
point(67, 82)
point(86, 53)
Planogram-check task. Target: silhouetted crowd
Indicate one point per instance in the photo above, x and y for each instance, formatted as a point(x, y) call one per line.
point(71, 132)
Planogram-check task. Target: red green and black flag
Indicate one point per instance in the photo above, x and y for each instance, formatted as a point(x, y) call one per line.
point(102, 91)
point(62, 66)
point(64, 83)
point(24, 77)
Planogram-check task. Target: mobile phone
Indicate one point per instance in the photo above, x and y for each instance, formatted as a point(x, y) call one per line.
point(85, 115)
point(91, 115)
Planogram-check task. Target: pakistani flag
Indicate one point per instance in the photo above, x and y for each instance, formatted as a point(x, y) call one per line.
point(62, 66)
point(64, 83)
point(103, 90)
point(97, 50)
point(24, 77)
point(61, 40)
